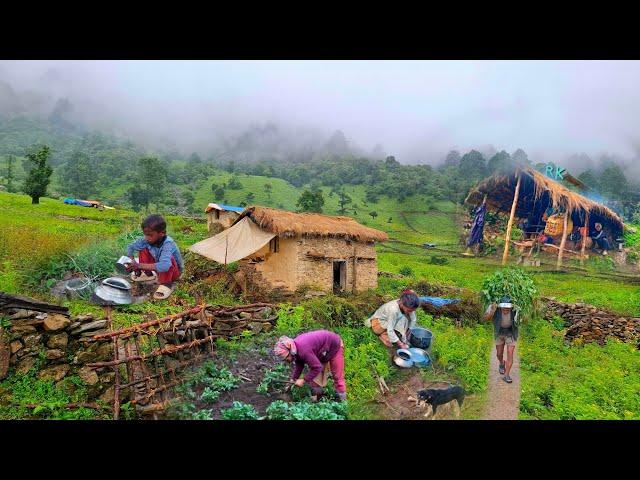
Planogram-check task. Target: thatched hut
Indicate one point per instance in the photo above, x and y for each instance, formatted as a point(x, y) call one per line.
point(527, 193)
point(221, 216)
point(280, 249)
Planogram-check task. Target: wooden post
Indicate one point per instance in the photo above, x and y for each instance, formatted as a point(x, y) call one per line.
point(353, 280)
point(584, 237)
point(507, 238)
point(564, 239)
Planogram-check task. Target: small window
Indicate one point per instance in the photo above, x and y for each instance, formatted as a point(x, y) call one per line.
point(217, 214)
point(274, 245)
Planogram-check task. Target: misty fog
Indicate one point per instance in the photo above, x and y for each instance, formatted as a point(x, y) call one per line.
point(561, 111)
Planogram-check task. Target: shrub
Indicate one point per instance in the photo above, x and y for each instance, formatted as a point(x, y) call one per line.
point(240, 411)
point(406, 271)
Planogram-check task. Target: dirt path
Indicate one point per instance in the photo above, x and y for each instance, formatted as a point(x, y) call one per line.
point(503, 399)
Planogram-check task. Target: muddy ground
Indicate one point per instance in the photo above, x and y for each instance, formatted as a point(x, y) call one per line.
point(396, 404)
point(249, 363)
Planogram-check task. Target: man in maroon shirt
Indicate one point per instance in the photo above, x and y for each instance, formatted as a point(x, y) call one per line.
point(320, 350)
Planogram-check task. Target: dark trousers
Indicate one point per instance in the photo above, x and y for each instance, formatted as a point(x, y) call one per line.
point(602, 243)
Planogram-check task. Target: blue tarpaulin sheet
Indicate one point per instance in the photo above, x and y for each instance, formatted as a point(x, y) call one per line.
point(437, 301)
point(75, 201)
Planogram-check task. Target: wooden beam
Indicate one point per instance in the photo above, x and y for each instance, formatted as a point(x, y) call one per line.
point(507, 237)
point(584, 237)
point(564, 239)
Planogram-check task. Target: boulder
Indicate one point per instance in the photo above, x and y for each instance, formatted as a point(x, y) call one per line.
point(54, 354)
point(89, 326)
point(59, 340)
point(55, 373)
point(88, 375)
point(21, 330)
point(32, 341)
point(87, 317)
point(266, 326)
point(15, 346)
point(5, 355)
point(108, 377)
point(26, 364)
point(98, 351)
point(255, 327)
point(108, 395)
point(23, 314)
point(245, 315)
point(56, 322)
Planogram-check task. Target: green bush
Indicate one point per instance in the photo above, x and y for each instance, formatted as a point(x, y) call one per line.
point(406, 271)
point(274, 378)
point(463, 351)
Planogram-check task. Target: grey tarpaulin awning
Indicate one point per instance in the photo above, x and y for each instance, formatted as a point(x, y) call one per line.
point(233, 244)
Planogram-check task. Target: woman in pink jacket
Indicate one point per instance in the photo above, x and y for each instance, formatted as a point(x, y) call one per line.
point(321, 351)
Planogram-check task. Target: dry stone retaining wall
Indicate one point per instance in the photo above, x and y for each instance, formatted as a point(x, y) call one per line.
point(592, 324)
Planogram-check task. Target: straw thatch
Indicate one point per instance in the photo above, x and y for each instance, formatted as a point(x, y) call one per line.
point(500, 189)
point(290, 224)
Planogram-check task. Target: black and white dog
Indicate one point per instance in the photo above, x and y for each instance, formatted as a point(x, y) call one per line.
point(440, 396)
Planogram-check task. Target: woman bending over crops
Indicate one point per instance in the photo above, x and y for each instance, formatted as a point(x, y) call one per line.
point(321, 351)
point(393, 320)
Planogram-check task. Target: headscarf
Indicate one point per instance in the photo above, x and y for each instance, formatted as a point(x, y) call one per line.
point(284, 347)
point(410, 299)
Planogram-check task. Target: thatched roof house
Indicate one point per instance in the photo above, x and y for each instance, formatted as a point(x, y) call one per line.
point(537, 192)
point(276, 248)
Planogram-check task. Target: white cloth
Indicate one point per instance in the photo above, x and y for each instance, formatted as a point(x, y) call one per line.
point(235, 243)
point(392, 318)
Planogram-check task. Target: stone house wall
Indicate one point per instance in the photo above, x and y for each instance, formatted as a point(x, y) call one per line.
point(225, 221)
point(309, 261)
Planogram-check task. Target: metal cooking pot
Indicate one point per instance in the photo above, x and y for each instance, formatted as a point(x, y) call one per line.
point(78, 288)
point(121, 264)
point(116, 290)
point(403, 358)
point(419, 357)
point(420, 337)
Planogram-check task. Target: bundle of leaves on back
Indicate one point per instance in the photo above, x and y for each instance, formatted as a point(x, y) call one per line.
point(515, 283)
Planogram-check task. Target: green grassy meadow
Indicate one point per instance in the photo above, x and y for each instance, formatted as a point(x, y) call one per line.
point(37, 240)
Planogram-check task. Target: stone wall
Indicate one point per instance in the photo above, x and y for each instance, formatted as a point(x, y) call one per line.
point(317, 254)
point(53, 344)
point(592, 324)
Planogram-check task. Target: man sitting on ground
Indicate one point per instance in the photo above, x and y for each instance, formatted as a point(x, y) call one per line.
point(600, 239)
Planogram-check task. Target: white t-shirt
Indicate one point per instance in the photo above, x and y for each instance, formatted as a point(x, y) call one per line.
point(392, 318)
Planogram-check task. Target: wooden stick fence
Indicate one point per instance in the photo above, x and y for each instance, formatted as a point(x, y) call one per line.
point(149, 358)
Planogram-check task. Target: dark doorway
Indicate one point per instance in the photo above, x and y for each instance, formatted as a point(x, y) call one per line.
point(339, 276)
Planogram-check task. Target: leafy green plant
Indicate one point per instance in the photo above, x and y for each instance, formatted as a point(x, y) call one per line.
point(240, 411)
point(406, 271)
point(291, 319)
point(515, 283)
point(322, 410)
point(274, 378)
point(210, 395)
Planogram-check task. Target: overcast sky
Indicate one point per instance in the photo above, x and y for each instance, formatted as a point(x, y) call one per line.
point(415, 109)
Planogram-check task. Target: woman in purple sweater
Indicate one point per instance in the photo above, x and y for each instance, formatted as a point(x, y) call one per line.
point(320, 350)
